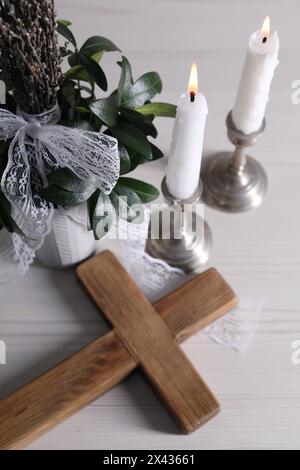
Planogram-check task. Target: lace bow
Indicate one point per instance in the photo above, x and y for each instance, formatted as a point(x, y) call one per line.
point(39, 145)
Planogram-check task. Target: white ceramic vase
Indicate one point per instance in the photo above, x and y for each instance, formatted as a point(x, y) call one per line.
point(69, 242)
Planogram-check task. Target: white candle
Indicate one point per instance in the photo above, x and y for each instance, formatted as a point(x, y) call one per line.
point(184, 163)
point(253, 92)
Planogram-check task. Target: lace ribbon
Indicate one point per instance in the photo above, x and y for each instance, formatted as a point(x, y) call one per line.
point(39, 145)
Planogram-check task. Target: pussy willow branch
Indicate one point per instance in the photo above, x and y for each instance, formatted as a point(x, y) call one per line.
point(29, 53)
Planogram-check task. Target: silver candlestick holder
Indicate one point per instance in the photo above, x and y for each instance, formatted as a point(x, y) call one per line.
point(234, 182)
point(180, 236)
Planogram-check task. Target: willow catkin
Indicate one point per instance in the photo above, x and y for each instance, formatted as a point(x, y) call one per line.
point(29, 53)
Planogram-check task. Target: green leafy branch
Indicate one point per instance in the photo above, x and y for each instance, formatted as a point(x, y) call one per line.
point(127, 113)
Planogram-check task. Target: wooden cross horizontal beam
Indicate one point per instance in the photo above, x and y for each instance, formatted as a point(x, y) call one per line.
point(86, 375)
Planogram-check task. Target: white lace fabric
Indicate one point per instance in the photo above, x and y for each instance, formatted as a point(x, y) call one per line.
point(39, 145)
point(15, 256)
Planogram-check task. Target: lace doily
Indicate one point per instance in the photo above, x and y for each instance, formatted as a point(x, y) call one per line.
point(15, 255)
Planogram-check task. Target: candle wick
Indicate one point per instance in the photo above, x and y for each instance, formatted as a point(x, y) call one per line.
point(192, 96)
point(264, 40)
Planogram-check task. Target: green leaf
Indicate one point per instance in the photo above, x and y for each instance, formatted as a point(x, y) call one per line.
point(158, 109)
point(98, 44)
point(145, 191)
point(91, 206)
point(78, 72)
point(63, 197)
point(64, 22)
point(126, 80)
point(69, 93)
point(94, 70)
point(5, 217)
point(106, 109)
point(147, 86)
point(156, 153)
point(72, 59)
point(124, 159)
point(101, 213)
point(6, 220)
point(64, 31)
point(140, 121)
point(127, 203)
point(4, 147)
point(136, 160)
point(97, 56)
point(82, 110)
point(65, 179)
point(132, 137)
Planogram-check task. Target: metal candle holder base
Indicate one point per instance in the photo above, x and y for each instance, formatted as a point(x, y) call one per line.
point(234, 182)
point(185, 241)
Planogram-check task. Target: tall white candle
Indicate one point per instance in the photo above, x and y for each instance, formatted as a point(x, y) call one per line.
point(253, 92)
point(185, 157)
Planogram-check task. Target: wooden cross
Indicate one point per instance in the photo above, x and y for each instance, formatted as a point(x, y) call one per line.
point(144, 336)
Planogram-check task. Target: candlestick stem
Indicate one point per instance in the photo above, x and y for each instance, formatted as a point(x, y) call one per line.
point(238, 160)
point(181, 238)
point(234, 182)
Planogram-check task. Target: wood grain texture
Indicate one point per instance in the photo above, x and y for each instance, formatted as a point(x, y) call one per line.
point(66, 388)
point(150, 342)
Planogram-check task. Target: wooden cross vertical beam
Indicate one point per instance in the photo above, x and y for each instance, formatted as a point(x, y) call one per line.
point(150, 342)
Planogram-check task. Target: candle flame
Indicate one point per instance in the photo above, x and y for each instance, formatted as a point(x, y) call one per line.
point(193, 82)
point(266, 27)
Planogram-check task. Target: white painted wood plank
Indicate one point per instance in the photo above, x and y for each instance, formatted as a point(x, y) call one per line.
point(45, 316)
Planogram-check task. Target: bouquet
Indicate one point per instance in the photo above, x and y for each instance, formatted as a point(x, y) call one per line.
point(62, 145)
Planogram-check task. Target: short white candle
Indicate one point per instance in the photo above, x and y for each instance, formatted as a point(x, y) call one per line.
point(185, 157)
point(253, 92)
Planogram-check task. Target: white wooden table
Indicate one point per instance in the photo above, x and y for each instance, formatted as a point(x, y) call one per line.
point(44, 316)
